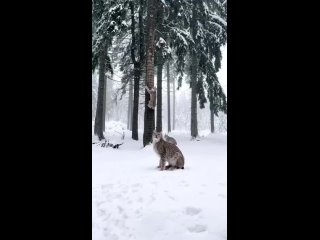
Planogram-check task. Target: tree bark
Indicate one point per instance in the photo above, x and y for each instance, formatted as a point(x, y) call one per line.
point(193, 75)
point(159, 92)
point(104, 115)
point(137, 64)
point(149, 113)
point(168, 96)
point(212, 120)
point(160, 63)
point(98, 124)
point(194, 121)
point(130, 107)
point(174, 104)
point(135, 110)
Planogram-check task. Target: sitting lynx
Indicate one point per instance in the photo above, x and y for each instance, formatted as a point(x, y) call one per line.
point(168, 152)
point(170, 139)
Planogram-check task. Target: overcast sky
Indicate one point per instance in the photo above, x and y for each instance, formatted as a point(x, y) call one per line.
point(222, 74)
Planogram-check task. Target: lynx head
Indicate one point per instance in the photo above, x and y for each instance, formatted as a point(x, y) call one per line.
point(156, 136)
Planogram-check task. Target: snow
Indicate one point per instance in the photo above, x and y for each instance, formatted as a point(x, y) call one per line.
point(161, 42)
point(206, 8)
point(164, 3)
point(124, 23)
point(132, 199)
point(221, 20)
point(183, 39)
point(112, 9)
point(222, 74)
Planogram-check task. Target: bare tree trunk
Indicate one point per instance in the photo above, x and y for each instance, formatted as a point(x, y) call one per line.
point(194, 121)
point(135, 110)
point(105, 105)
point(212, 120)
point(149, 113)
point(137, 66)
point(98, 124)
point(130, 100)
point(168, 95)
point(174, 104)
point(159, 93)
point(160, 63)
point(193, 76)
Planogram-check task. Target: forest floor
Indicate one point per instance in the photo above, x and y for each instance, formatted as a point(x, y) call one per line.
point(133, 200)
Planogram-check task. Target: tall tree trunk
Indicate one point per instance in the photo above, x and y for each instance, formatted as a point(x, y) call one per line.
point(131, 105)
point(104, 115)
point(212, 120)
point(194, 121)
point(130, 101)
point(98, 124)
point(168, 95)
point(135, 110)
point(149, 113)
point(160, 63)
point(193, 75)
point(174, 104)
point(137, 64)
point(159, 92)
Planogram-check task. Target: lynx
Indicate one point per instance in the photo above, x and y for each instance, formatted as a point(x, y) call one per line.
point(170, 139)
point(168, 152)
point(153, 97)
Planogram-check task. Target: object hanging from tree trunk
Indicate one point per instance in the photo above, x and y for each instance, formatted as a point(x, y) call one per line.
point(153, 97)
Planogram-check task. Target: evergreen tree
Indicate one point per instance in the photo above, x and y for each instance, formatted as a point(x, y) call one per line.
point(108, 21)
point(149, 113)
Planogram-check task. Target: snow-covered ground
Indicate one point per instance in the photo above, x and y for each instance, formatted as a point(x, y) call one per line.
point(132, 199)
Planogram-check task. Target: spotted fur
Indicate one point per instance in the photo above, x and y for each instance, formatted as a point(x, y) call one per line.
point(167, 152)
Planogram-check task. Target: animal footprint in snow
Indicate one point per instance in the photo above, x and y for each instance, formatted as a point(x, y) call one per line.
point(101, 212)
point(152, 199)
point(197, 228)
point(107, 186)
point(106, 218)
point(172, 198)
point(136, 185)
point(120, 209)
point(99, 203)
point(118, 196)
point(222, 195)
point(140, 199)
point(138, 213)
point(114, 237)
point(184, 184)
point(109, 235)
point(191, 211)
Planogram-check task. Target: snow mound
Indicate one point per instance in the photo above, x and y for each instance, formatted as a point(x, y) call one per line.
point(114, 133)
